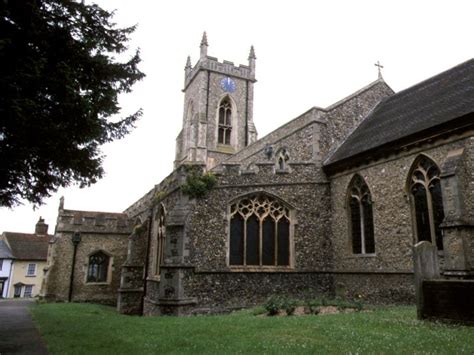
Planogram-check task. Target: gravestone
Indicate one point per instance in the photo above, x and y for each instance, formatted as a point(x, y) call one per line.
point(426, 265)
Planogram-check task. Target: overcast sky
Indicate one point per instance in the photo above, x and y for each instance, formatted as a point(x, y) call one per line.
point(309, 53)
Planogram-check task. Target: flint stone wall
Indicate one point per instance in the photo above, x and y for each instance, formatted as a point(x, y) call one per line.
point(387, 181)
point(99, 231)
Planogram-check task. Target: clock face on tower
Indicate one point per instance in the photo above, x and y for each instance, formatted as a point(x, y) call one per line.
point(228, 85)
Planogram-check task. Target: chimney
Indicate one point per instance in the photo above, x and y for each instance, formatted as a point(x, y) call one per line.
point(41, 228)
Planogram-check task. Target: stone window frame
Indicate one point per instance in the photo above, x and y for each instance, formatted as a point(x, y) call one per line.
point(108, 278)
point(159, 241)
point(282, 158)
point(411, 181)
point(291, 249)
point(31, 270)
point(357, 179)
point(230, 126)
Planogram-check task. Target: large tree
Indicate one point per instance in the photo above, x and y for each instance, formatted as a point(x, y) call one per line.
point(59, 82)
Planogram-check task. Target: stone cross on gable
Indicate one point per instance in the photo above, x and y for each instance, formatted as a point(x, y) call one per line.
point(379, 66)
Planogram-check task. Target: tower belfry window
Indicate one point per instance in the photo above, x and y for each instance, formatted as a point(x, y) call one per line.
point(225, 122)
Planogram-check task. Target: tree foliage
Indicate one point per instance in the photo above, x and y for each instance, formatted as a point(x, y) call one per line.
point(59, 83)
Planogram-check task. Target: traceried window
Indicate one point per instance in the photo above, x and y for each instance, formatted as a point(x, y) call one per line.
point(259, 232)
point(98, 267)
point(282, 159)
point(361, 218)
point(160, 240)
point(427, 200)
point(225, 122)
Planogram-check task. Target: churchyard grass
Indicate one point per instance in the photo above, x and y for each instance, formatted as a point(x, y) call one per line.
point(93, 329)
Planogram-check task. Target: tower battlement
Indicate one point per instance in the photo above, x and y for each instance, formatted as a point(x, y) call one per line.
point(225, 67)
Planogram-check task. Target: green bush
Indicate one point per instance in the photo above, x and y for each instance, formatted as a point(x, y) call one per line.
point(198, 185)
point(289, 305)
point(273, 304)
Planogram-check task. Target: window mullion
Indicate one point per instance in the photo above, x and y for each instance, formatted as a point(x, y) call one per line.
point(260, 244)
point(362, 227)
point(245, 242)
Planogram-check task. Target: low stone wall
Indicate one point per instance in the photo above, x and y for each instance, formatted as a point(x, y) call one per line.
point(221, 292)
point(448, 300)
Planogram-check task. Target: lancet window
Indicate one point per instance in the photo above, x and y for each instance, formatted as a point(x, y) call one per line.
point(427, 201)
point(361, 217)
point(225, 122)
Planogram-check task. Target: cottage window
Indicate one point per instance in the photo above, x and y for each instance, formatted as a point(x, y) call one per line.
point(225, 122)
point(98, 267)
point(31, 270)
point(259, 232)
point(160, 240)
point(427, 201)
point(28, 291)
point(361, 217)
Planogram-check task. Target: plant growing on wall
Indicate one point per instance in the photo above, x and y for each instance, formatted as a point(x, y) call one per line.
point(197, 186)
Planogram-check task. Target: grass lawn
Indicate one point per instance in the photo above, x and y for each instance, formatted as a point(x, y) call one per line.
point(92, 329)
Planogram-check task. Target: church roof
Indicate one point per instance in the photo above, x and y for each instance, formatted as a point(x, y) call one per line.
point(429, 106)
point(25, 246)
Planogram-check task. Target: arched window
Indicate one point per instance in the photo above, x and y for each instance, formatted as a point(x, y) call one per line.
point(98, 267)
point(427, 200)
point(361, 217)
point(225, 122)
point(259, 232)
point(282, 159)
point(160, 240)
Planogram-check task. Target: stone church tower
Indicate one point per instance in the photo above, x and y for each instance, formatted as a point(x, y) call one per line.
point(218, 109)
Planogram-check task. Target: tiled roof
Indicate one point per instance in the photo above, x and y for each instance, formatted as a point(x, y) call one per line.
point(430, 104)
point(27, 246)
point(5, 252)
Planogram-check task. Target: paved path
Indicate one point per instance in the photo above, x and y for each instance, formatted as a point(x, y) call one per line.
point(18, 334)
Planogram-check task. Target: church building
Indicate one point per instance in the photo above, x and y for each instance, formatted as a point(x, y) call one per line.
point(329, 204)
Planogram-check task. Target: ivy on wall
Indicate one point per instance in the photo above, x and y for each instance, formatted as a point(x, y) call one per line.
point(197, 186)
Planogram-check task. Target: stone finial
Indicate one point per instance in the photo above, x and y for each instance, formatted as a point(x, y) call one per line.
point(188, 63)
point(61, 203)
point(252, 53)
point(204, 45)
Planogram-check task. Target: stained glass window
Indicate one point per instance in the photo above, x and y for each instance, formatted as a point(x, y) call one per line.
point(259, 232)
point(98, 267)
point(427, 200)
point(361, 217)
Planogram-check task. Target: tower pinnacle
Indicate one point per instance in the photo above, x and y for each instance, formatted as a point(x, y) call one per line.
point(204, 45)
point(252, 59)
point(252, 53)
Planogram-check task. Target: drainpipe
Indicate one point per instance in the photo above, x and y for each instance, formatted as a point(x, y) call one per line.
point(76, 239)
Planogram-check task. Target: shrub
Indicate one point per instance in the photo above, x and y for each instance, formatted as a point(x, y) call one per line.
point(273, 304)
point(198, 185)
point(289, 305)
